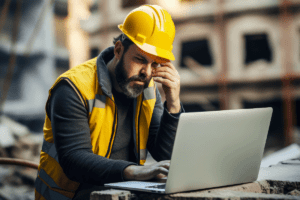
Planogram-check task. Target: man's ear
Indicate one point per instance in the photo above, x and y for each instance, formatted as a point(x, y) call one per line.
point(119, 49)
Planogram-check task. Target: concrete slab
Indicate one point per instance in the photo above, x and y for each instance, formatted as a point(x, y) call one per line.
point(290, 152)
point(230, 195)
point(289, 172)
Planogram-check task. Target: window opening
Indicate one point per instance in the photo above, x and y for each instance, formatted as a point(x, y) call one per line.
point(198, 107)
point(199, 50)
point(61, 8)
point(94, 52)
point(94, 6)
point(257, 48)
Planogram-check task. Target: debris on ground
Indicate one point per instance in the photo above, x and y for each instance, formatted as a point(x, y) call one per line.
point(16, 141)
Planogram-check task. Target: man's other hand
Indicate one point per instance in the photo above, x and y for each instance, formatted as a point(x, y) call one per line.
point(147, 172)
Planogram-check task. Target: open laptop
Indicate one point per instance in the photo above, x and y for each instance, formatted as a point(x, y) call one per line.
point(212, 149)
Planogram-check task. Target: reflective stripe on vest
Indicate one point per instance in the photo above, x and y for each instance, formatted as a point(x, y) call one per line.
point(149, 93)
point(143, 154)
point(48, 179)
point(50, 149)
point(98, 102)
point(46, 192)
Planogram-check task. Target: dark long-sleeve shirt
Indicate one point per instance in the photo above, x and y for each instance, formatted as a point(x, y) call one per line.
point(72, 138)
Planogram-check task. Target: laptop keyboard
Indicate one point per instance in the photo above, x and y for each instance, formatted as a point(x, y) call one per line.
point(163, 186)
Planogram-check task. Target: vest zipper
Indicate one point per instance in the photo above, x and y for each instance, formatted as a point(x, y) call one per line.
point(139, 156)
point(113, 132)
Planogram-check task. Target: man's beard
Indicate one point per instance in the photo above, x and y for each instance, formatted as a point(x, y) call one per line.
point(123, 81)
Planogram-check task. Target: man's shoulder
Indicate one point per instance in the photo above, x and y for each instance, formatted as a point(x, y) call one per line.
point(83, 72)
point(83, 77)
point(89, 65)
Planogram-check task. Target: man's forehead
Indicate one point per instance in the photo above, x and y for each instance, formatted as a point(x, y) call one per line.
point(148, 56)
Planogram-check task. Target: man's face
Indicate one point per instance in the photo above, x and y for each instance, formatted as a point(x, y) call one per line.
point(134, 71)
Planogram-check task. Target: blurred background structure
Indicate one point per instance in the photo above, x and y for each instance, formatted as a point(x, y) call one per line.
point(230, 54)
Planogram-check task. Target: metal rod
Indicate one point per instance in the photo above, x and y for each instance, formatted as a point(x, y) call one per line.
point(21, 162)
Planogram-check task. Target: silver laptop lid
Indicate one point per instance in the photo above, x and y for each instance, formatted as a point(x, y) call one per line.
point(218, 148)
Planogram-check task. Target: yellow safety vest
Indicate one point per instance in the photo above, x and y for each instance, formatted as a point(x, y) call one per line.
point(52, 182)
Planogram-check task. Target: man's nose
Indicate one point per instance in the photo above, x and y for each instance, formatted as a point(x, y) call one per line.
point(147, 70)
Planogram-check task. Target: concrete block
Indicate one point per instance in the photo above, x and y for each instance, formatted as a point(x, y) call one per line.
point(111, 195)
point(254, 187)
point(282, 187)
point(226, 194)
point(294, 193)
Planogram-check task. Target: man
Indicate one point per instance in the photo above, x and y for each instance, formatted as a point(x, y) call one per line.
point(103, 115)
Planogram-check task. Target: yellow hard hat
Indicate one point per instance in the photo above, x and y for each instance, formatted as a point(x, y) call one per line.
point(152, 29)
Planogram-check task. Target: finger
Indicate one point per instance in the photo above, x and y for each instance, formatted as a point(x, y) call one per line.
point(165, 164)
point(162, 170)
point(167, 82)
point(166, 76)
point(158, 164)
point(165, 161)
point(168, 64)
point(166, 69)
point(164, 81)
point(160, 176)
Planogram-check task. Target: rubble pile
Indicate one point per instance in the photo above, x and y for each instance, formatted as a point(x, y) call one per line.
point(16, 141)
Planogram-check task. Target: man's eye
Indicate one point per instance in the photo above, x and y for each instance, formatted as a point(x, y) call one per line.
point(139, 59)
point(155, 65)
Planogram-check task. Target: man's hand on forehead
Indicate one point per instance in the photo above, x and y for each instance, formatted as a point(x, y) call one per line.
point(169, 77)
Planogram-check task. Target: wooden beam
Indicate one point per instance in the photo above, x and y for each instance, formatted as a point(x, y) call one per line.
point(222, 79)
point(287, 76)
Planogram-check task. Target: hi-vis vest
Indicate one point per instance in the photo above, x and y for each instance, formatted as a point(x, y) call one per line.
point(52, 183)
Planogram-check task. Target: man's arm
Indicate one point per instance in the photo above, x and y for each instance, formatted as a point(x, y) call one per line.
point(69, 120)
point(168, 76)
point(160, 143)
point(162, 130)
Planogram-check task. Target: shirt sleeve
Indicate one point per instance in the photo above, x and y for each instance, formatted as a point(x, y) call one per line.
point(162, 130)
point(69, 120)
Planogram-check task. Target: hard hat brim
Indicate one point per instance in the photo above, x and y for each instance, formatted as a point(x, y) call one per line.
point(156, 51)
